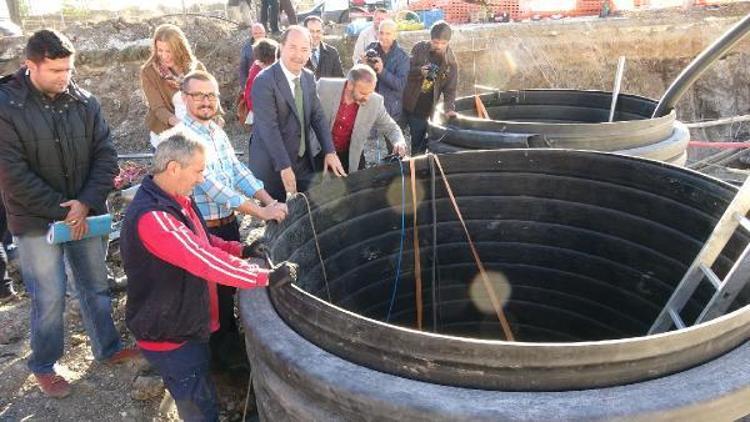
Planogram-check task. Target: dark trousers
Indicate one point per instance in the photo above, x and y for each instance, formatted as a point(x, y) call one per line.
point(185, 372)
point(3, 233)
point(227, 346)
point(418, 131)
point(269, 14)
point(304, 173)
point(288, 8)
point(344, 158)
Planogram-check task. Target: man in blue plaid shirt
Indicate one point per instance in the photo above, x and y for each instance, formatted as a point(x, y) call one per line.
point(229, 187)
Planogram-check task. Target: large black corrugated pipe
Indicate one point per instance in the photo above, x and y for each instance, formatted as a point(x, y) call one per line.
point(561, 118)
point(699, 65)
point(589, 247)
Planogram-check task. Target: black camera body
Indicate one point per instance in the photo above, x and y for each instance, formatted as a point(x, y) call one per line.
point(432, 72)
point(371, 57)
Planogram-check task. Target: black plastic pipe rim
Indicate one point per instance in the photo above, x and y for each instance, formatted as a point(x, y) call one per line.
point(561, 118)
point(589, 245)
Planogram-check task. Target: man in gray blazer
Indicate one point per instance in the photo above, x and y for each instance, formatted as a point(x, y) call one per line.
point(352, 109)
point(283, 153)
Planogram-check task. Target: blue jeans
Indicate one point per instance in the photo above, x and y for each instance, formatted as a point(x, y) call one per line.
point(185, 372)
point(43, 268)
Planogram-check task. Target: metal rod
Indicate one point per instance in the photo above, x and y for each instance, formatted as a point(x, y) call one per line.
point(719, 122)
point(485, 87)
point(616, 90)
point(699, 65)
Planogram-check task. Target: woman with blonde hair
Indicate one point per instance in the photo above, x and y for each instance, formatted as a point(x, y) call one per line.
point(171, 59)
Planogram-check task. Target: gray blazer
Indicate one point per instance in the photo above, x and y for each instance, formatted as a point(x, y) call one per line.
point(371, 115)
point(276, 131)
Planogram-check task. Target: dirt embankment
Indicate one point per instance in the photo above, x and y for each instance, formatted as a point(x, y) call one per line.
point(110, 55)
point(580, 53)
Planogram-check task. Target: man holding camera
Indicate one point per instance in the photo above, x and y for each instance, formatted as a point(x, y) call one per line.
point(368, 35)
point(433, 71)
point(391, 63)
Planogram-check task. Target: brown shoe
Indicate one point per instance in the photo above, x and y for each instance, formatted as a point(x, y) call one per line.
point(124, 355)
point(53, 385)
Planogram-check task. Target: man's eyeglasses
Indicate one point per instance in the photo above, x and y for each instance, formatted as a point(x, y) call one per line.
point(200, 96)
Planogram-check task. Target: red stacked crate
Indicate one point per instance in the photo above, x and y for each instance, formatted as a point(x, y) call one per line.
point(423, 5)
point(455, 11)
point(588, 7)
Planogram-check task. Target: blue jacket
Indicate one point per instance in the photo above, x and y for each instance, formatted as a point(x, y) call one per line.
point(246, 60)
point(392, 81)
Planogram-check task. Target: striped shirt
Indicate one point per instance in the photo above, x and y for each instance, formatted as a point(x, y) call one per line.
point(226, 179)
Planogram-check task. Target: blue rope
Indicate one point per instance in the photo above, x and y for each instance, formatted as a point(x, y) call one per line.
point(401, 246)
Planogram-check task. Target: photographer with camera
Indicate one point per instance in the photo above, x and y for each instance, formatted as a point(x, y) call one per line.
point(433, 71)
point(391, 63)
point(368, 35)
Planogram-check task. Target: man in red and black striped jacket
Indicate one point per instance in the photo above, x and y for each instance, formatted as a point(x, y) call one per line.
point(173, 266)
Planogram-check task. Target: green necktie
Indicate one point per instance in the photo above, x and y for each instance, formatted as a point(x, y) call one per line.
point(301, 113)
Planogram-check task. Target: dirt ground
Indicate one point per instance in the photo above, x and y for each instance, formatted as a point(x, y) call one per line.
point(577, 54)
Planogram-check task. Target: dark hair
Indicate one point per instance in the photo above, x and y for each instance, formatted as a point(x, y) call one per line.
point(199, 75)
point(312, 18)
point(48, 44)
point(294, 28)
point(380, 10)
point(265, 50)
point(440, 30)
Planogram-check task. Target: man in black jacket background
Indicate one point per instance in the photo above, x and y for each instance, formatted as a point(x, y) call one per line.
point(324, 61)
point(57, 163)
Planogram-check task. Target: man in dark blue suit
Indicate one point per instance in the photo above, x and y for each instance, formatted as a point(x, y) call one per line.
point(284, 154)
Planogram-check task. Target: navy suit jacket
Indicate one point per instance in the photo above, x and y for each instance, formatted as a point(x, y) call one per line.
point(329, 63)
point(276, 130)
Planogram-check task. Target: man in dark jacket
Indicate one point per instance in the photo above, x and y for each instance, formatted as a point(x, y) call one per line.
point(57, 163)
point(257, 33)
point(392, 67)
point(325, 61)
point(391, 64)
point(174, 266)
point(287, 110)
point(433, 71)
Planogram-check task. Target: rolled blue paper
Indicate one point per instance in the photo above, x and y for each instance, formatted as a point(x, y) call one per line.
point(99, 225)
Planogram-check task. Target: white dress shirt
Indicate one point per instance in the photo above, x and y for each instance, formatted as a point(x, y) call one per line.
point(290, 77)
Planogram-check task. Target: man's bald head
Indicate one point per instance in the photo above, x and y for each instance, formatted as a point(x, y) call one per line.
point(258, 31)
